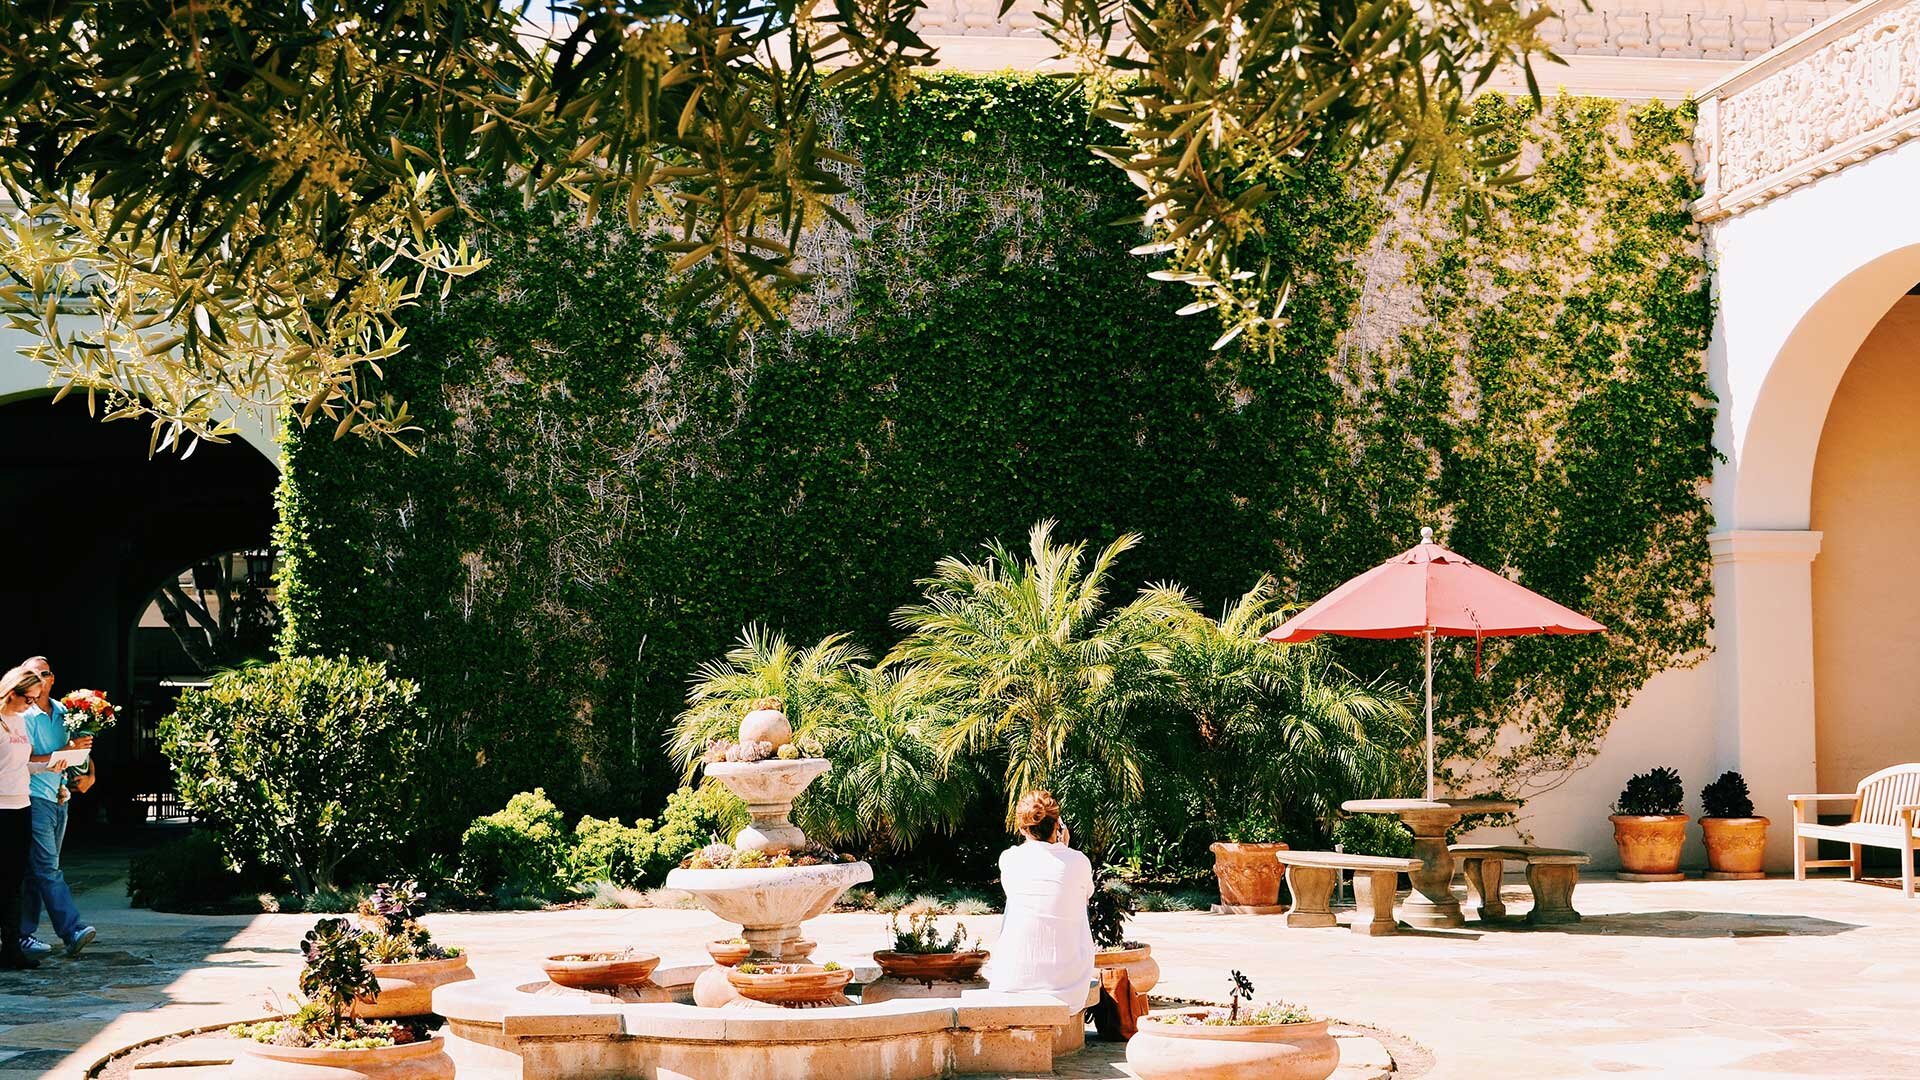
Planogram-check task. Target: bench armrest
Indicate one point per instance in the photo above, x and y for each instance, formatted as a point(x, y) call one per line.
point(1851, 796)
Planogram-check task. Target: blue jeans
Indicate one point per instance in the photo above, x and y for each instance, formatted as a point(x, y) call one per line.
point(45, 883)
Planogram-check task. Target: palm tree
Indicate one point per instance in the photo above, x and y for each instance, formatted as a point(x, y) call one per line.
point(1282, 733)
point(761, 665)
point(889, 786)
point(1042, 669)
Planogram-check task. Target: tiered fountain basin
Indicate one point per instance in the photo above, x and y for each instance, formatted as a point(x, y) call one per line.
point(509, 1030)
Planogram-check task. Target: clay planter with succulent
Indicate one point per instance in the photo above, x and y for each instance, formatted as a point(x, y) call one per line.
point(1272, 1042)
point(1249, 875)
point(924, 964)
point(324, 1040)
point(1649, 827)
point(406, 962)
point(792, 985)
point(601, 970)
point(1736, 837)
point(711, 989)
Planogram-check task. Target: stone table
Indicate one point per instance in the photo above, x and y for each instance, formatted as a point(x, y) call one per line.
point(1431, 904)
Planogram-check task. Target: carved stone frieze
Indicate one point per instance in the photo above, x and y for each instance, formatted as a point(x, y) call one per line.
point(1832, 99)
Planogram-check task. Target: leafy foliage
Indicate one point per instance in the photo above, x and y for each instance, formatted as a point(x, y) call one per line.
point(605, 850)
point(1727, 797)
point(921, 935)
point(1656, 792)
point(1373, 834)
point(299, 763)
point(334, 972)
point(1108, 910)
point(611, 487)
point(520, 850)
point(255, 218)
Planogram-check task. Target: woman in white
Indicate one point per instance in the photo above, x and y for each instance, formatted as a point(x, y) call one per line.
point(1045, 944)
point(16, 813)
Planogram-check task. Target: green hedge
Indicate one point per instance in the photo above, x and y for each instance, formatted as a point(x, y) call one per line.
point(609, 490)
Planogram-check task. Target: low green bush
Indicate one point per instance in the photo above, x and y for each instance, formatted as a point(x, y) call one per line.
point(694, 818)
point(521, 851)
point(299, 763)
point(1373, 834)
point(606, 851)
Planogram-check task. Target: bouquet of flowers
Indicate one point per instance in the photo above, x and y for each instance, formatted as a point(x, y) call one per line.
point(88, 712)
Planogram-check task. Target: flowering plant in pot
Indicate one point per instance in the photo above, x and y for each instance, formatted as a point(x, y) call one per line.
point(920, 952)
point(323, 1039)
point(1277, 1041)
point(1649, 827)
point(1736, 837)
point(1108, 910)
point(405, 959)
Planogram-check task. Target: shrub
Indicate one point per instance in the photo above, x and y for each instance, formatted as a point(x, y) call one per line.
point(694, 818)
point(1727, 797)
point(298, 763)
point(605, 850)
point(1373, 834)
point(185, 874)
point(1652, 794)
point(1108, 910)
point(519, 851)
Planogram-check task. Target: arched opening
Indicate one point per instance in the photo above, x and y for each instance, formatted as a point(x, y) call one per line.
point(93, 526)
point(1866, 605)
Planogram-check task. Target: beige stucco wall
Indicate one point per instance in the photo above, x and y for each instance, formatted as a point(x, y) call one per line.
point(1866, 500)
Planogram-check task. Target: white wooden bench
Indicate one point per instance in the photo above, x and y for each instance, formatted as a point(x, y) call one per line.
point(1551, 875)
point(1311, 876)
point(1886, 813)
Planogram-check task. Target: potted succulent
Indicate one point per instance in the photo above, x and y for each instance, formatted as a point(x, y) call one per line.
point(406, 961)
point(1649, 827)
point(921, 958)
point(601, 970)
point(1107, 912)
point(1736, 838)
point(1249, 872)
point(791, 984)
point(1272, 1042)
point(324, 1040)
point(711, 989)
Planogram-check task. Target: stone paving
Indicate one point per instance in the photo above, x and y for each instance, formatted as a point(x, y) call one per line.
point(1698, 979)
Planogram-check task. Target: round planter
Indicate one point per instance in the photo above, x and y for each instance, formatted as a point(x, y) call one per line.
point(1650, 845)
point(407, 989)
point(1249, 874)
point(1162, 1051)
point(711, 989)
point(932, 967)
point(424, 1060)
point(728, 953)
point(614, 970)
point(1143, 971)
point(805, 984)
point(1736, 847)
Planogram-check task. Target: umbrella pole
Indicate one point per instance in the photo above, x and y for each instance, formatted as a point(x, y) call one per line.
point(1429, 637)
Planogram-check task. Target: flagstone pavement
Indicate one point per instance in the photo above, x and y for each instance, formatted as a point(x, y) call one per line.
point(1690, 979)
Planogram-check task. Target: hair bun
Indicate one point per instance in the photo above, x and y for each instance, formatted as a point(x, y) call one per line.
point(1036, 807)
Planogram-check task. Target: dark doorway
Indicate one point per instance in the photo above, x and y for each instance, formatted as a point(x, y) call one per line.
point(93, 528)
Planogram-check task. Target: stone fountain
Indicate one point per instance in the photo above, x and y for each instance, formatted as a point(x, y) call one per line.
point(516, 1029)
point(770, 903)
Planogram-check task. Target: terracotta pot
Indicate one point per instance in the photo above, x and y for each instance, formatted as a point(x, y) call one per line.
point(425, 1060)
point(932, 967)
point(609, 970)
point(728, 953)
point(1249, 874)
point(1162, 1051)
point(1649, 844)
point(1735, 845)
point(407, 989)
point(1143, 971)
point(804, 984)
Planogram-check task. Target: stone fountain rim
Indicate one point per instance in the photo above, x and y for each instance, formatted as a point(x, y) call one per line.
point(688, 879)
point(720, 769)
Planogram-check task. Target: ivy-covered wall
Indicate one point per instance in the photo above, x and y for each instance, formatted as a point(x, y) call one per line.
point(608, 490)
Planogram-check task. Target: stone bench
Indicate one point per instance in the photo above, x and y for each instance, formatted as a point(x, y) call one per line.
point(1311, 876)
point(1551, 874)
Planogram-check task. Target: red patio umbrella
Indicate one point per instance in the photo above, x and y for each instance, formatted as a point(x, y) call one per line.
point(1427, 591)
